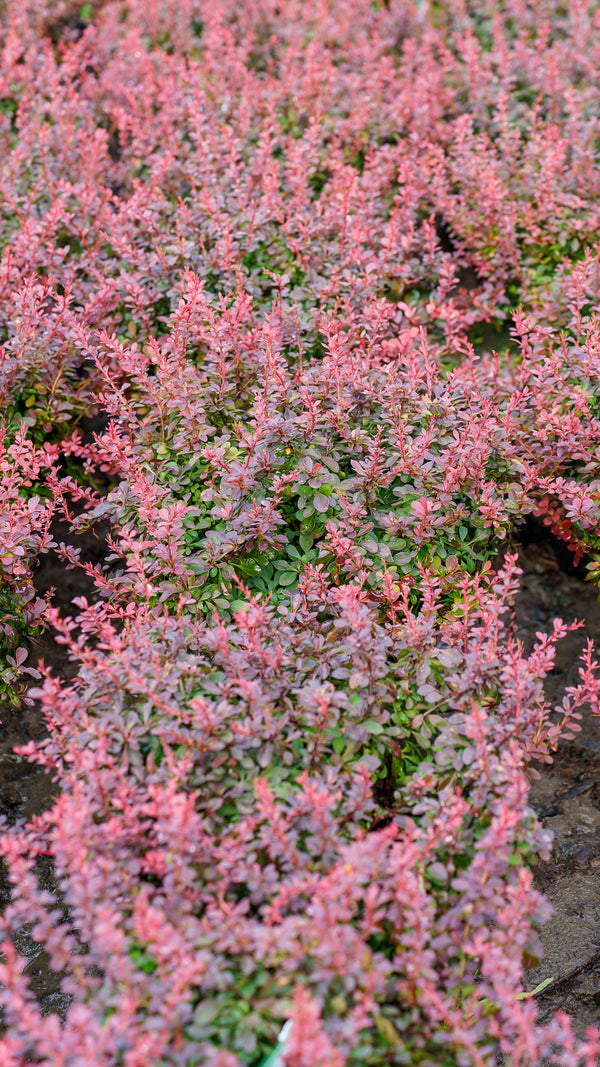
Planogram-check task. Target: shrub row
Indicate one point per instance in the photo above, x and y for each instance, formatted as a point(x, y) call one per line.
point(299, 299)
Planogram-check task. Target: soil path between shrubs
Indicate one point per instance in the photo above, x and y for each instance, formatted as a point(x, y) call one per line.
point(566, 796)
point(26, 790)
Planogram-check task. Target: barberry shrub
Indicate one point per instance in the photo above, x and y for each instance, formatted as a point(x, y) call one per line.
point(300, 299)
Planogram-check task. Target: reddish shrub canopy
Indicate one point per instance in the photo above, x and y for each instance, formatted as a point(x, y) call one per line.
point(300, 299)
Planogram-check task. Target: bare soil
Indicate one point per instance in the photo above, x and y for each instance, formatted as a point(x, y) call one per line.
point(566, 796)
point(25, 789)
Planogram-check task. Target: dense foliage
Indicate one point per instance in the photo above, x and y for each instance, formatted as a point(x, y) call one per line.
point(299, 298)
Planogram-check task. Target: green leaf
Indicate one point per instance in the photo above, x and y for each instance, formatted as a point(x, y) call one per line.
point(142, 959)
point(288, 578)
point(387, 1031)
point(538, 989)
point(306, 542)
point(237, 605)
point(373, 727)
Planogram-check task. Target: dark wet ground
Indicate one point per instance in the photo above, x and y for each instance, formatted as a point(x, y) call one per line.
point(566, 797)
point(25, 789)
